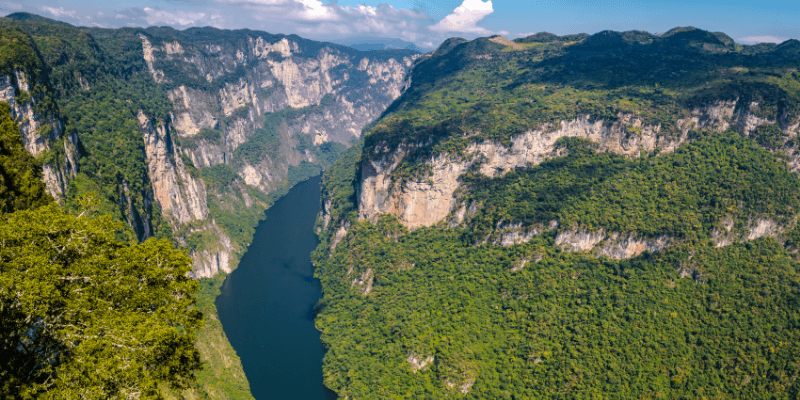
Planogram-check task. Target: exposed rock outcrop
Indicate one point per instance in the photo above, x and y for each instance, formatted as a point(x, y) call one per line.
point(418, 362)
point(177, 192)
point(42, 132)
point(425, 202)
point(428, 200)
point(211, 261)
point(258, 73)
point(760, 227)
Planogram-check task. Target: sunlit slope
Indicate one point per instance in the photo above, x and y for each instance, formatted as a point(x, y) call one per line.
point(611, 216)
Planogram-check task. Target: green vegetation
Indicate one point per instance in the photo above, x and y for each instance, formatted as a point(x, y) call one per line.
point(265, 141)
point(684, 194)
point(84, 315)
point(468, 92)
point(532, 320)
point(220, 175)
point(567, 325)
point(239, 217)
point(21, 184)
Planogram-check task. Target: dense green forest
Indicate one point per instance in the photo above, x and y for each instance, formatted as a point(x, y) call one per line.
point(443, 311)
point(691, 321)
point(470, 91)
point(82, 313)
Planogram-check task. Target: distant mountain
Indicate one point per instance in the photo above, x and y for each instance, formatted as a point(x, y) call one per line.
point(368, 44)
point(28, 17)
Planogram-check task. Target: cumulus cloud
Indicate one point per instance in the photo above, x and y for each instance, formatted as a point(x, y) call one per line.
point(315, 19)
point(59, 12)
point(465, 18)
point(182, 18)
point(762, 39)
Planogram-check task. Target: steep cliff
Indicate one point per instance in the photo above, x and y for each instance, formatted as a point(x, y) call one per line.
point(530, 212)
point(271, 108)
point(189, 135)
point(29, 96)
point(262, 104)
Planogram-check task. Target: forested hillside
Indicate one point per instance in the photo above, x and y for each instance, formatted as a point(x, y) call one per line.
point(609, 216)
point(84, 314)
point(183, 135)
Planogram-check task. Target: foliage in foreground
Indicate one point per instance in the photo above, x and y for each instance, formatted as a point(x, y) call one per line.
point(86, 316)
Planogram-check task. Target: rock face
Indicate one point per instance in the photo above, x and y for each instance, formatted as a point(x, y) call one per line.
point(760, 227)
point(425, 202)
point(221, 91)
point(224, 86)
point(177, 193)
point(42, 133)
point(429, 200)
point(433, 198)
point(612, 245)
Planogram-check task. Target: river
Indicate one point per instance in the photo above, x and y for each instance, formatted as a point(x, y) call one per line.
point(266, 304)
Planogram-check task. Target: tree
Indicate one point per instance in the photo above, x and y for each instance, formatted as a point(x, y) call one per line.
point(85, 316)
point(21, 183)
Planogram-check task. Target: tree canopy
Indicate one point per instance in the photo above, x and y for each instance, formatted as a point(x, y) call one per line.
point(82, 315)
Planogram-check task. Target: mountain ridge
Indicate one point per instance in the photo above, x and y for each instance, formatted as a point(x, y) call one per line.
point(552, 218)
point(189, 135)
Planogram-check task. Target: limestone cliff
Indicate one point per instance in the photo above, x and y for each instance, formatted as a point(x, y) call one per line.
point(433, 198)
point(42, 133)
point(223, 91)
point(430, 199)
point(177, 193)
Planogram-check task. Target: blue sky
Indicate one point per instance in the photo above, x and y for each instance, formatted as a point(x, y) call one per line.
point(428, 22)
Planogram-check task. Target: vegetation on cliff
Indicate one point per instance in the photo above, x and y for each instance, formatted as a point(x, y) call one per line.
point(21, 184)
point(685, 194)
point(82, 314)
point(472, 91)
point(443, 311)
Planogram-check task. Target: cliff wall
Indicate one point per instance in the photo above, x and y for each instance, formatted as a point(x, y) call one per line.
point(223, 93)
point(42, 133)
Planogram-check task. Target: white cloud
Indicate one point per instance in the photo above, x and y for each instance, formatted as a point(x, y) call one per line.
point(316, 10)
point(465, 18)
point(183, 18)
point(762, 39)
point(58, 12)
point(315, 19)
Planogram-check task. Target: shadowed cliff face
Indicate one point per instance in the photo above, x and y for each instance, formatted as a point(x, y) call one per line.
point(211, 121)
point(42, 133)
point(225, 93)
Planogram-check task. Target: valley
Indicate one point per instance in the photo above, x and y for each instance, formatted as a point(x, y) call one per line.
point(610, 215)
